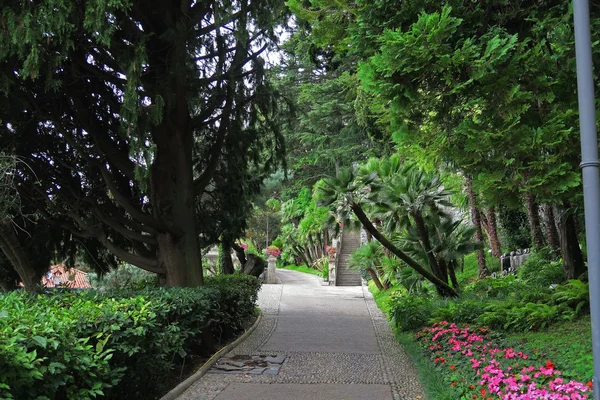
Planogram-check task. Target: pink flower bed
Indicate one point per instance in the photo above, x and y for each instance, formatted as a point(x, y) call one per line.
point(476, 363)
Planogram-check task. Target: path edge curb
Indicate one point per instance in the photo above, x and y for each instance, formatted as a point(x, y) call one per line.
point(183, 386)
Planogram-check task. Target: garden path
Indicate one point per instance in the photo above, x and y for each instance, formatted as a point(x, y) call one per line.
point(336, 343)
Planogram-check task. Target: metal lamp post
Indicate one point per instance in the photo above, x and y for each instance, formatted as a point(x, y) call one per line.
point(590, 170)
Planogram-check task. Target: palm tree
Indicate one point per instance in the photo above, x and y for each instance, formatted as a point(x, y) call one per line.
point(368, 257)
point(348, 193)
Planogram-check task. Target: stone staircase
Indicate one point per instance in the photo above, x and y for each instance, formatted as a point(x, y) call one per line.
point(344, 275)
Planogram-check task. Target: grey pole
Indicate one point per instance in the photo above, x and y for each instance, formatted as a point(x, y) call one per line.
point(589, 166)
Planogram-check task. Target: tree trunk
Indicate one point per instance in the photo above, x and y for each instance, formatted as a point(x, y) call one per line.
point(174, 203)
point(491, 228)
point(312, 248)
point(375, 279)
point(534, 221)
point(226, 261)
point(552, 233)
point(321, 246)
point(441, 286)
point(452, 272)
point(239, 253)
point(302, 256)
point(326, 237)
point(476, 219)
point(14, 252)
point(573, 262)
point(254, 266)
point(424, 234)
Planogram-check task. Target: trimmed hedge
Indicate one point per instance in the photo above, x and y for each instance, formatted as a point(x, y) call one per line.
point(118, 344)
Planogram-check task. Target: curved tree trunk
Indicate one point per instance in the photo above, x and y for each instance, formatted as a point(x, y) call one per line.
point(375, 279)
point(240, 253)
point(476, 219)
point(433, 263)
point(452, 273)
point(9, 243)
point(301, 255)
point(441, 286)
point(534, 221)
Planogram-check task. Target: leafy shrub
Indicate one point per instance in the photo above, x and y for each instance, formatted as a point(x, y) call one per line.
point(575, 294)
point(277, 243)
point(117, 343)
point(410, 312)
point(43, 354)
point(460, 311)
point(124, 277)
point(538, 270)
point(500, 287)
point(515, 316)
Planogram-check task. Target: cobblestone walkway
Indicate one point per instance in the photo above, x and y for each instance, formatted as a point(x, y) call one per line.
point(336, 343)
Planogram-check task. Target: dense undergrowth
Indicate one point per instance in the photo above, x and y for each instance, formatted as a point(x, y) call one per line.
point(534, 313)
point(117, 344)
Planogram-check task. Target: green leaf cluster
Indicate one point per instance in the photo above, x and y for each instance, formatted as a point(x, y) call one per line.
point(117, 344)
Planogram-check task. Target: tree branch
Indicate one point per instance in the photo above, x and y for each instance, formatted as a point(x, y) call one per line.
point(144, 263)
point(135, 213)
point(123, 230)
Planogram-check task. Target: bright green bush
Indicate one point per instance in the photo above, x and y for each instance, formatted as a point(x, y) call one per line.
point(44, 354)
point(500, 287)
point(575, 294)
point(460, 311)
point(409, 313)
point(523, 317)
point(119, 343)
point(540, 271)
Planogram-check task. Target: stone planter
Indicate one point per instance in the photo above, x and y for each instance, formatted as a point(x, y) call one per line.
point(271, 275)
point(331, 275)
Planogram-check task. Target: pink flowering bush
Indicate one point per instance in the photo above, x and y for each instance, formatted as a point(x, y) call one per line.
point(273, 251)
point(476, 363)
point(330, 250)
point(243, 246)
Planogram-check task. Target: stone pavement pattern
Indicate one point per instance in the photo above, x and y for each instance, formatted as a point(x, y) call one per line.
point(336, 343)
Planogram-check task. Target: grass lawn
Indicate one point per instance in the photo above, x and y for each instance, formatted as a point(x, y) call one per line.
point(568, 345)
point(303, 268)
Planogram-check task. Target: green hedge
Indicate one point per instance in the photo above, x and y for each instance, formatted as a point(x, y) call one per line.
point(119, 344)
